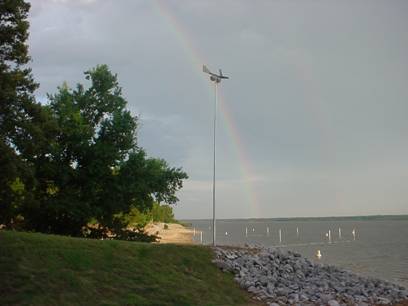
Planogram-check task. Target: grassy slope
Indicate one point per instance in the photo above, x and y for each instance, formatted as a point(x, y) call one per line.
point(39, 269)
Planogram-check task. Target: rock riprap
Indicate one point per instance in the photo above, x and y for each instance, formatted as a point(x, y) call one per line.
point(287, 278)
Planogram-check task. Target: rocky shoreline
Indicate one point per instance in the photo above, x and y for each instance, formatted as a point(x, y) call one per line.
point(286, 278)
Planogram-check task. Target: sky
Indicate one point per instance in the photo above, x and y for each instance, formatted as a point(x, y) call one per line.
point(312, 122)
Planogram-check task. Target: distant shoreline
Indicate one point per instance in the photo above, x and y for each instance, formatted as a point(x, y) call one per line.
point(328, 218)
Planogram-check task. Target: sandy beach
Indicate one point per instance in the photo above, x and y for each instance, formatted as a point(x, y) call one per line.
point(174, 233)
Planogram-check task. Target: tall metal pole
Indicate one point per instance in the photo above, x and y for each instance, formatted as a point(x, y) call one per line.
point(214, 158)
point(216, 78)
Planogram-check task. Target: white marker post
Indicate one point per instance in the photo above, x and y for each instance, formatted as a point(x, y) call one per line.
point(297, 232)
point(339, 233)
point(267, 231)
point(201, 237)
point(194, 232)
point(280, 236)
point(330, 236)
point(354, 233)
point(246, 231)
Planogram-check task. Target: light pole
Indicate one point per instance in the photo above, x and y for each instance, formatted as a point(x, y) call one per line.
point(216, 78)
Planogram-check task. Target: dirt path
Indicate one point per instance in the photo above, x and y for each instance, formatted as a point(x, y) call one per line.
point(174, 233)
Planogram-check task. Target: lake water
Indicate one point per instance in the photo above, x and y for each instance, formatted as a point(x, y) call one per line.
point(379, 248)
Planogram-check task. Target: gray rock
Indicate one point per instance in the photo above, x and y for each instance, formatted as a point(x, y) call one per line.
point(263, 280)
point(383, 301)
point(294, 297)
point(251, 289)
point(333, 303)
point(288, 268)
point(282, 291)
point(282, 299)
point(270, 288)
point(288, 278)
point(248, 284)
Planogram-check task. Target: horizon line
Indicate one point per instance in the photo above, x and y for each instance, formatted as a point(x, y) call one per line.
point(300, 218)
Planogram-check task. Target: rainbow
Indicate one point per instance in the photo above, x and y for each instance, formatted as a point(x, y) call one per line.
point(186, 42)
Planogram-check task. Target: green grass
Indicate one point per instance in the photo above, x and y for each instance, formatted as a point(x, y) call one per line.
point(38, 269)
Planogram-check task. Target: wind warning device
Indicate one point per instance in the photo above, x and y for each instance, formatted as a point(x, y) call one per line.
point(214, 77)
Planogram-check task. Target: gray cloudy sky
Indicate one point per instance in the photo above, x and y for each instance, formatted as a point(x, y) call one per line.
point(317, 101)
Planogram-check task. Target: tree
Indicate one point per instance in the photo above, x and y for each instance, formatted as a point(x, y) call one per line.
point(94, 169)
point(162, 213)
point(75, 159)
point(21, 118)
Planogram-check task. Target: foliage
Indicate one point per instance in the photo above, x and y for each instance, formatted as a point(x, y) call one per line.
point(162, 213)
point(23, 122)
point(136, 233)
point(75, 159)
point(94, 168)
point(38, 269)
point(137, 218)
point(157, 213)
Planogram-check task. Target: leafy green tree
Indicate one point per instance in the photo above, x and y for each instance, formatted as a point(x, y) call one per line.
point(22, 120)
point(94, 168)
point(162, 213)
point(75, 159)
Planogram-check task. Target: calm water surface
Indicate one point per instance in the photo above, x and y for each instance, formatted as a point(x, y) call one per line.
point(379, 249)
